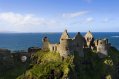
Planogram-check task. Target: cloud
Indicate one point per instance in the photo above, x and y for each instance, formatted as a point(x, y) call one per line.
point(89, 20)
point(17, 19)
point(75, 14)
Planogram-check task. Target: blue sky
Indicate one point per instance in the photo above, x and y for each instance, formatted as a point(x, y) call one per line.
point(57, 15)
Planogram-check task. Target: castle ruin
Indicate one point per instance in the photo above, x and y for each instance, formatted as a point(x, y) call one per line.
point(102, 46)
point(77, 44)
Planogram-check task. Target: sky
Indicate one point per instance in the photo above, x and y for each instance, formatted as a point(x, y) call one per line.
point(57, 15)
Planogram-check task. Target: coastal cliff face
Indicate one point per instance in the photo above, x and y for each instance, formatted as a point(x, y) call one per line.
point(50, 65)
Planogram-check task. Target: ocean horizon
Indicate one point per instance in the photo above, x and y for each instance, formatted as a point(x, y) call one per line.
point(22, 41)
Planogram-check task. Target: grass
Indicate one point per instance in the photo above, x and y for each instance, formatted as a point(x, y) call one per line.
point(13, 73)
point(49, 65)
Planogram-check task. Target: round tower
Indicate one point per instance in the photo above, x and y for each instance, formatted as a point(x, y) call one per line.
point(64, 41)
point(45, 45)
point(64, 44)
point(64, 48)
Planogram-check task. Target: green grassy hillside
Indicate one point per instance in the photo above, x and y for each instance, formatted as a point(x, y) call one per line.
point(49, 65)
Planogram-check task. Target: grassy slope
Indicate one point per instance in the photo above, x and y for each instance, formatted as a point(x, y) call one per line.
point(13, 73)
point(50, 65)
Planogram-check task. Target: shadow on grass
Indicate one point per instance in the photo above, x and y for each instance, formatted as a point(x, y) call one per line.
point(12, 73)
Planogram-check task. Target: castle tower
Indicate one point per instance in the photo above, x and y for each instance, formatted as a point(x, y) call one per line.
point(89, 39)
point(45, 45)
point(79, 43)
point(64, 35)
point(64, 44)
point(102, 47)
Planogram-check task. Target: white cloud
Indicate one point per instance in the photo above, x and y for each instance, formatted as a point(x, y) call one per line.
point(75, 14)
point(17, 19)
point(89, 20)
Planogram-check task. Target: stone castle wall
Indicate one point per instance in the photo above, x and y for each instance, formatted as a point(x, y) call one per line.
point(102, 46)
point(77, 44)
point(66, 45)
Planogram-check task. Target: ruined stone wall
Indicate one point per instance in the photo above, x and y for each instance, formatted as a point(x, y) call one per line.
point(53, 47)
point(78, 44)
point(102, 46)
point(89, 39)
point(64, 47)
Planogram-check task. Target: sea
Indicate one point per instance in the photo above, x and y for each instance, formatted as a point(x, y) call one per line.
point(22, 41)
